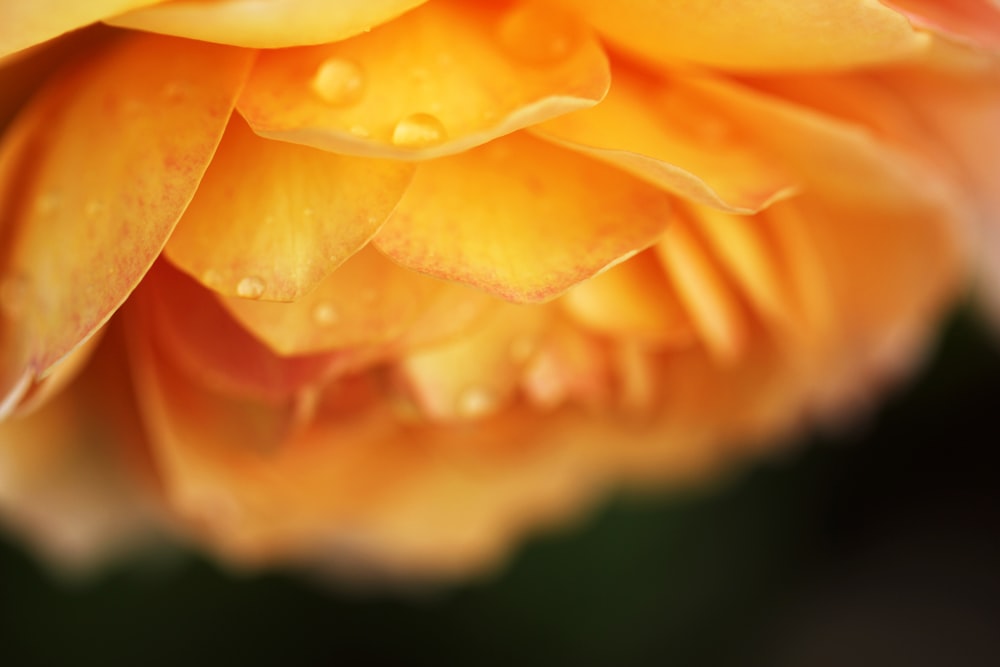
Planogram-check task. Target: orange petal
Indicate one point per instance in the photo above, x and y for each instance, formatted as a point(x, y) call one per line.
point(757, 34)
point(440, 80)
point(521, 218)
point(367, 302)
point(709, 300)
point(265, 25)
point(667, 133)
point(271, 220)
point(65, 481)
point(24, 24)
point(94, 176)
point(741, 247)
point(476, 374)
point(632, 299)
point(976, 21)
point(193, 330)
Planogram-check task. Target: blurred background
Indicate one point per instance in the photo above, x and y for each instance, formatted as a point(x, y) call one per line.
point(877, 545)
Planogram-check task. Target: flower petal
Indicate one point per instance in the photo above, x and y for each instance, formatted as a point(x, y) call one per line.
point(440, 80)
point(631, 300)
point(270, 220)
point(24, 24)
point(757, 34)
point(92, 180)
point(667, 133)
point(265, 25)
point(192, 330)
point(521, 218)
point(976, 21)
point(367, 302)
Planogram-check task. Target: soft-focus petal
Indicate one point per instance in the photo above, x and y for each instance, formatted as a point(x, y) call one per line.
point(194, 331)
point(666, 132)
point(442, 79)
point(24, 24)
point(265, 25)
point(66, 478)
point(271, 220)
point(633, 299)
point(93, 177)
point(757, 34)
point(977, 21)
point(521, 218)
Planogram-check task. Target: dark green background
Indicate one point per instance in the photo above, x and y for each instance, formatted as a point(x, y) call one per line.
point(880, 546)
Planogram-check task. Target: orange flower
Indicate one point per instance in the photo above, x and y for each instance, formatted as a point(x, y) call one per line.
point(380, 287)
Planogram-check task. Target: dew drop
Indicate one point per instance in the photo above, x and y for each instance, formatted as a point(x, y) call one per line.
point(538, 35)
point(13, 295)
point(251, 287)
point(325, 314)
point(477, 401)
point(418, 130)
point(339, 82)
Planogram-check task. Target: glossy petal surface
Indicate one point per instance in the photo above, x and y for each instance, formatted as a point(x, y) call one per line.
point(24, 24)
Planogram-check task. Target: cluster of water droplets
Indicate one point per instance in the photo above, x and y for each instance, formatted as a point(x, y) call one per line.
point(526, 33)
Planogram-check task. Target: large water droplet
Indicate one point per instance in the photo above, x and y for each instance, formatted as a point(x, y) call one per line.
point(339, 82)
point(251, 287)
point(477, 401)
point(419, 130)
point(538, 34)
point(325, 314)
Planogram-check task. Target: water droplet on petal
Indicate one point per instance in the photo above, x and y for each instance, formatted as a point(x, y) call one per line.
point(418, 130)
point(13, 295)
point(477, 401)
point(537, 34)
point(251, 287)
point(325, 314)
point(339, 82)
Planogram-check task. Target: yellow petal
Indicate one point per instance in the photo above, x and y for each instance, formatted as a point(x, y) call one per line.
point(440, 80)
point(633, 299)
point(270, 220)
point(521, 218)
point(367, 302)
point(94, 176)
point(757, 34)
point(666, 132)
point(24, 24)
point(265, 25)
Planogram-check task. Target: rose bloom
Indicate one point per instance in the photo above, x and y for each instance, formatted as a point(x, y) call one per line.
point(375, 287)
